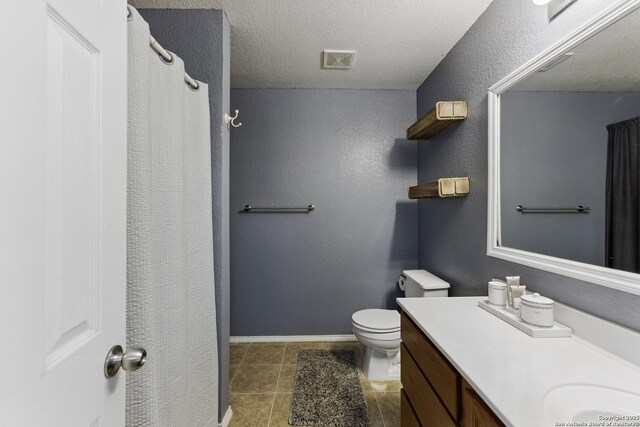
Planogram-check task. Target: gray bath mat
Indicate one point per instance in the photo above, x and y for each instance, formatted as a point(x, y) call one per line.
point(327, 391)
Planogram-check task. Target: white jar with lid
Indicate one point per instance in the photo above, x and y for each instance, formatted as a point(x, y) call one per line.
point(497, 293)
point(536, 310)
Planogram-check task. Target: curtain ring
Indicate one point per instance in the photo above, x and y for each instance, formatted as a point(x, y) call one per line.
point(165, 60)
point(192, 87)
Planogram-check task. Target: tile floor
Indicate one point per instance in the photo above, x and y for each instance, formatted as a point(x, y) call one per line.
point(262, 377)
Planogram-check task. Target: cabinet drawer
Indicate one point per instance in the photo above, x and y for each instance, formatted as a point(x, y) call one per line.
point(428, 409)
point(476, 413)
point(443, 377)
point(408, 418)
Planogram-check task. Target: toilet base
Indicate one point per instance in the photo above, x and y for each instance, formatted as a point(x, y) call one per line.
point(381, 366)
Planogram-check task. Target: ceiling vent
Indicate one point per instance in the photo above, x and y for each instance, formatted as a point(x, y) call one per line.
point(338, 59)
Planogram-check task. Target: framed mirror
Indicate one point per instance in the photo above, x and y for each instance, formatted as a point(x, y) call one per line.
point(563, 155)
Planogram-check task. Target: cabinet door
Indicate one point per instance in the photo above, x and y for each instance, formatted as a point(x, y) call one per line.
point(475, 413)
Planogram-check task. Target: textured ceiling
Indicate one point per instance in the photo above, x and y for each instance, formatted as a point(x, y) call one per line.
point(278, 43)
point(607, 62)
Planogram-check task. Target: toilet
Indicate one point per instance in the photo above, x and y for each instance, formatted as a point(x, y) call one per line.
point(379, 330)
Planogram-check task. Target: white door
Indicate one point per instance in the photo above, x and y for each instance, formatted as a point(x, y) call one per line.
point(62, 210)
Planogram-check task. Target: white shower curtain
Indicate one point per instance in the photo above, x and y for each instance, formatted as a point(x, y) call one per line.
point(170, 285)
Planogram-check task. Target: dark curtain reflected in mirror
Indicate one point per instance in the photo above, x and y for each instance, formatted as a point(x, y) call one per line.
point(623, 196)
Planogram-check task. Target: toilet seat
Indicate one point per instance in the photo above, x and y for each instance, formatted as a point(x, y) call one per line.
point(377, 320)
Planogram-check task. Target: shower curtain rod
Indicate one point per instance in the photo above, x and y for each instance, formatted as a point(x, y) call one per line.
point(166, 56)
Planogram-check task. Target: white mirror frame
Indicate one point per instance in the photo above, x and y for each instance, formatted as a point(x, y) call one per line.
point(616, 279)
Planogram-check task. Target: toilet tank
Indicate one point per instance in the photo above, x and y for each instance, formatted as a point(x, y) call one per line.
point(422, 284)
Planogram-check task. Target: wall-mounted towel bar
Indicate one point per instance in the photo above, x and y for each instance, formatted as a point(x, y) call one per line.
point(255, 209)
point(577, 209)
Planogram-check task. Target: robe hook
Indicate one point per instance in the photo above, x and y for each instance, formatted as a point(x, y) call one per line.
point(228, 119)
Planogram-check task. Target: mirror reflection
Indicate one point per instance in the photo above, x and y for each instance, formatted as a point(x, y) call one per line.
point(569, 137)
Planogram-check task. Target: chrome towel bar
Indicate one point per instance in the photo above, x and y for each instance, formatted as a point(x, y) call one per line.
point(255, 209)
point(577, 209)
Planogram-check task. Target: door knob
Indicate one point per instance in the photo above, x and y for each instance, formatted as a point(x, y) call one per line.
point(131, 360)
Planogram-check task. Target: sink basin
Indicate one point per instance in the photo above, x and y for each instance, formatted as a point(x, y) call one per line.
point(589, 403)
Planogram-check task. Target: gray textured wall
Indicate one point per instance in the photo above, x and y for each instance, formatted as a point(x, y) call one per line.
point(201, 38)
point(453, 232)
point(342, 150)
point(563, 138)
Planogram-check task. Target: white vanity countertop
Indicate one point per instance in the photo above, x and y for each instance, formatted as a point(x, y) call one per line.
point(511, 371)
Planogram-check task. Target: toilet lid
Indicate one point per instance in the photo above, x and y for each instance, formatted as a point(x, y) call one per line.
point(377, 319)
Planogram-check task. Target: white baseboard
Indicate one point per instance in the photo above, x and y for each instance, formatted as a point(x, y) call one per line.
point(291, 338)
point(227, 418)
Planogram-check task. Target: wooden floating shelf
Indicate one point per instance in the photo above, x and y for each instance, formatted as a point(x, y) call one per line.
point(444, 187)
point(443, 115)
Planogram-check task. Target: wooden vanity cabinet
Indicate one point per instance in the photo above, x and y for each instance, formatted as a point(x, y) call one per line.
point(434, 393)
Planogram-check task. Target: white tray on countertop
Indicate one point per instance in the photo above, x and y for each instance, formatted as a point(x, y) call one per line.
point(556, 331)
